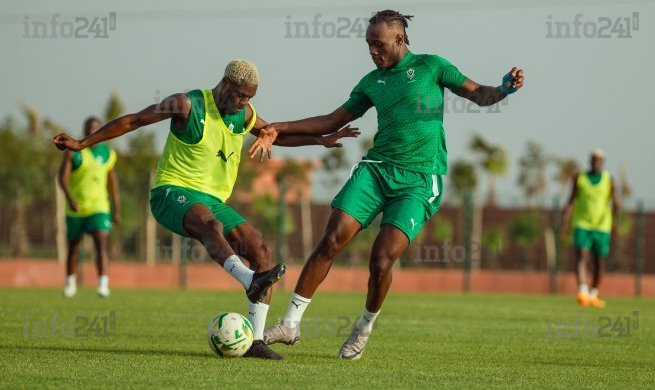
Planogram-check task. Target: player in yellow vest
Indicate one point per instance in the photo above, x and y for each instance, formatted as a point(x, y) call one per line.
point(197, 171)
point(88, 180)
point(593, 203)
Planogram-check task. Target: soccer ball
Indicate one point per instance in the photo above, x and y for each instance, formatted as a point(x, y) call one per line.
point(230, 334)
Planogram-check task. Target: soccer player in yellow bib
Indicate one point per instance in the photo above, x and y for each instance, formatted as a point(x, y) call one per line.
point(88, 180)
point(196, 174)
point(592, 194)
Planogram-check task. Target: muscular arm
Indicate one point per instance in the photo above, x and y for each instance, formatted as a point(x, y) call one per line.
point(114, 195)
point(317, 125)
point(484, 95)
point(64, 174)
point(291, 140)
point(176, 106)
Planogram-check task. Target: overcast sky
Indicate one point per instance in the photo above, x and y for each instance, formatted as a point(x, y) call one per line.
point(580, 93)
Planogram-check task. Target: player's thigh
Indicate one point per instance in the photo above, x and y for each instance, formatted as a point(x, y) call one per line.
point(582, 239)
point(600, 244)
point(228, 217)
point(99, 222)
point(411, 208)
point(74, 228)
point(170, 204)
point(389, 244)
point(361, 197)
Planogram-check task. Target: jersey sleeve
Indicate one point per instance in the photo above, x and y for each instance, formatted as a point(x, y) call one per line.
point(358, 102)
point(447, 74)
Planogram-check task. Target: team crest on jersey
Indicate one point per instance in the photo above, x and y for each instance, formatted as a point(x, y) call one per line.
point(181, 199)
point(410, 73)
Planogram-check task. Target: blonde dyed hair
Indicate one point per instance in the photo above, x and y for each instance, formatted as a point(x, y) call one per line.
point(242, 70)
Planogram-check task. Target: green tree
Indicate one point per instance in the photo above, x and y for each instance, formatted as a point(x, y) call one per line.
point(114, 107)
point(567, 168)
point(28, 164)
point(524, 231)
point(135, 168)
point(532, 173)
point(493, 160)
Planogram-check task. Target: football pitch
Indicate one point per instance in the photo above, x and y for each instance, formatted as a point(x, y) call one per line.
point(148, 338)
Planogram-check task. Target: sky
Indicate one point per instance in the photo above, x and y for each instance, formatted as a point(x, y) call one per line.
point(580, 93)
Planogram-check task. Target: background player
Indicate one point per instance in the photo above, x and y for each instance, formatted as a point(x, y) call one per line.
point(88, 180)
point(591, 195)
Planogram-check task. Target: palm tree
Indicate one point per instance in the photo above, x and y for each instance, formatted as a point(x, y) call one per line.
point(463, 178)
point(567, 169)
point(493, 161)
point(114, 107)
point(532, 174)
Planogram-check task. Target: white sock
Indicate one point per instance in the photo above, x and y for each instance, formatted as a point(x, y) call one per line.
point(71, 281)
point(365, 322)
point(584, 288)
point(238, 270)
point(594, 292)
point(257, 316)
point(295, 310)
point(103, 281)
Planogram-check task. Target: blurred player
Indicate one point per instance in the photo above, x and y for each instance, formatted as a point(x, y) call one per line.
point(196, 175)
point(88, 181)
point(400, 176)
point(591, 196)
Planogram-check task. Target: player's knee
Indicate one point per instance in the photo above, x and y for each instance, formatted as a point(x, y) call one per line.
point(212, 228)
point(380, 270)
point(330, 246)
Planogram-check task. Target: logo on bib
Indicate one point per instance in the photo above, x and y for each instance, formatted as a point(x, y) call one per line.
point(222, 155)
point(410, 73)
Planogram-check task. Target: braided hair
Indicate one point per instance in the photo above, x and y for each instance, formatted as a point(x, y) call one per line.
point(392, 18)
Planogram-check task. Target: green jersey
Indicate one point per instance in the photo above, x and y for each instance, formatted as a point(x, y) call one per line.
point(409, 103)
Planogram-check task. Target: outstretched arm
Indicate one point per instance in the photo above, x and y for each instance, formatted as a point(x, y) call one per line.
point(268, 135)
point(317, 125)
point(566, 214)
point(484, 95)
point(175, 106)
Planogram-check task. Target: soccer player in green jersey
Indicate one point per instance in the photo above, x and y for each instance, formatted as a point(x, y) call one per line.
point(400, 176)
point(591, 196)
point(88, 181)
point(196, 174)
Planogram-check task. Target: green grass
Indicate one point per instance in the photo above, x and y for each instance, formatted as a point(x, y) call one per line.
point(422, 341)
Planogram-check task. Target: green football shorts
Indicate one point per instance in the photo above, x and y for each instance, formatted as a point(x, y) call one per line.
point(77, 226)
point(592, 240)
point(407, 199)
point(169, 205)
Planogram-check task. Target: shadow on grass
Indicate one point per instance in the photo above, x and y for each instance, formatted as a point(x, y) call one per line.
point(119, 351)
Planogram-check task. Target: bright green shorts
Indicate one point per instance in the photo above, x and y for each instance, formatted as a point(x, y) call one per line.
point(595, 241)
point(407, 199)
point(77, 226)
point(169, 205)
